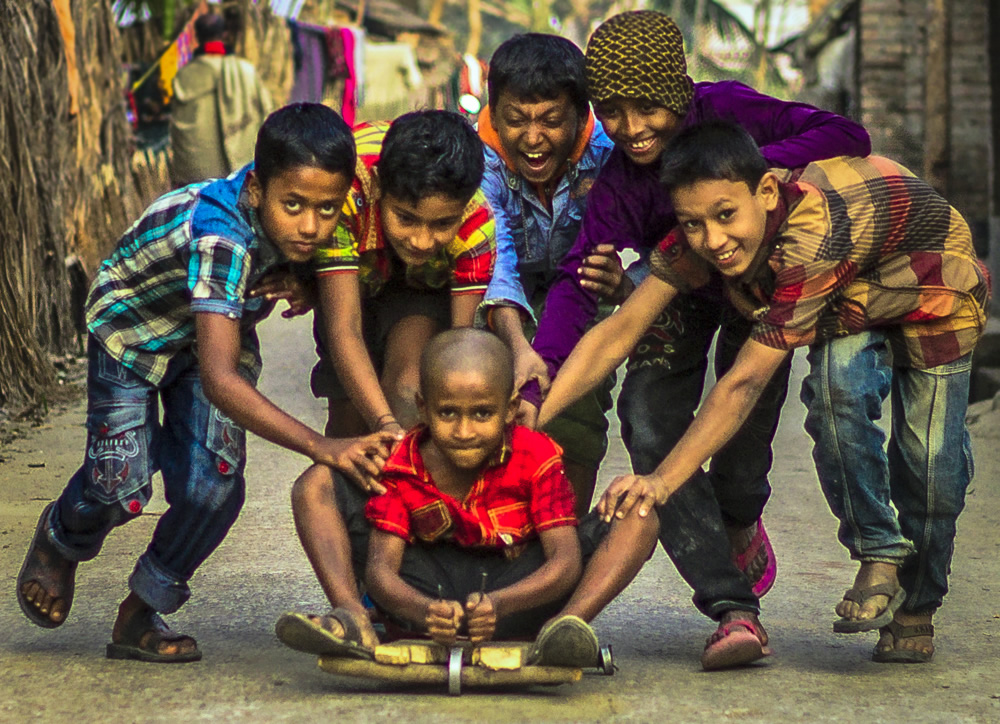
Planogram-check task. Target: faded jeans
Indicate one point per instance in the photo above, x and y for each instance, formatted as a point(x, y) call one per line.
point(200, 452)
point(898, 505)
point(661, 391)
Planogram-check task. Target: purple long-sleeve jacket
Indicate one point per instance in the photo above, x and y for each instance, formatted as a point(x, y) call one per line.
point(627, 206)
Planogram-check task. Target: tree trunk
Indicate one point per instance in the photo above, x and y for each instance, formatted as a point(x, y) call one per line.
point(937, 129)
point(475, 28)
point(436, 12)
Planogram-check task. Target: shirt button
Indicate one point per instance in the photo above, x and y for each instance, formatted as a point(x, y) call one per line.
point(224, 467)
point(134, 507)
point(512, 182)
point(103, 429)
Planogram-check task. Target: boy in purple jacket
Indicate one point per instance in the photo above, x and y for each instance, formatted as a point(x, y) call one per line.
point(637, 81)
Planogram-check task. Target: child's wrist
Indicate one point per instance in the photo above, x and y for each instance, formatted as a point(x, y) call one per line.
point(385, 421)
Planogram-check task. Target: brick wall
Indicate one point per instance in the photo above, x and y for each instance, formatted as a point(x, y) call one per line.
point(891, 76)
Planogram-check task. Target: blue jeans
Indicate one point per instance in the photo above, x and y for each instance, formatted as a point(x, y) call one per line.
point(200, 452)
point(924, 472)
point(661, 391)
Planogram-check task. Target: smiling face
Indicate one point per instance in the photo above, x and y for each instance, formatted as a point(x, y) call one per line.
point(639, 127)
point(417, 231)
point(537, 135)
point(467, 411)
point(724, 221)
point(299, 208)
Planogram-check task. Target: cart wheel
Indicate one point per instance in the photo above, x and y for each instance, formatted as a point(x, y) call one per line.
point(606, 661)
point(455, 671)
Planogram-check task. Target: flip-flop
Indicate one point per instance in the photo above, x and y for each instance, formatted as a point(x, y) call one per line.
point(739, 645)
point(565, 641)
point(136, 628)
point(299, 632)
point(40, 543)
point(903, 656)
point(896, 596)
point(759, 544)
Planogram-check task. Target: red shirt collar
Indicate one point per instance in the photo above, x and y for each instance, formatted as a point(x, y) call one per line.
point(214, 47)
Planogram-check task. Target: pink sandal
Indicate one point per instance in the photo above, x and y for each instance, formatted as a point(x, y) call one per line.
point(738, 644)
point(759, 544)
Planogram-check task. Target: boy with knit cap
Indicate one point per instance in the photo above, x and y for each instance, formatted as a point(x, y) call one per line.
point(638, 83)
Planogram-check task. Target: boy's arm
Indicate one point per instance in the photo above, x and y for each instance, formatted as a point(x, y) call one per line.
point(463, 308)
point(606, 346)
point(556, 578)
point(385, 556)
point(551, 582)
point(790, 134)
point(720, 417)
point(528, 365)
point(218, 357)
point(340, 300)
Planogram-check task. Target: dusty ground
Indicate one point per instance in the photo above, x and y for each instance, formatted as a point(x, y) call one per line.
point(260, 571)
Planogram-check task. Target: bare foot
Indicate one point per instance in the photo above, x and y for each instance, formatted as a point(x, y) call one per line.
point(923, 644)
point(870, 574)
point(166, 642)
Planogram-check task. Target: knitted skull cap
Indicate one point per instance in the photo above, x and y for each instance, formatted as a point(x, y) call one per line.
point(639, 54)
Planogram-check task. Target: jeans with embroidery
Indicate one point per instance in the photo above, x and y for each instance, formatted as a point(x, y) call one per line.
point(199, 451)
point(923, 473)
point(661, 391)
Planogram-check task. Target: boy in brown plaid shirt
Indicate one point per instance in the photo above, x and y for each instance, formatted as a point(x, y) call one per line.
point(868, 267)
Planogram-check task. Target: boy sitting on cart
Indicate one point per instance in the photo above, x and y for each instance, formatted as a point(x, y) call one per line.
point(475, 533)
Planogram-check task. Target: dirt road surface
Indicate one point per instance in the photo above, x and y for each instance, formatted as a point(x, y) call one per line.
point(260, 572)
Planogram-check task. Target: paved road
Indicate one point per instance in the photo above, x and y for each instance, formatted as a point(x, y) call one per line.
point(260, 571)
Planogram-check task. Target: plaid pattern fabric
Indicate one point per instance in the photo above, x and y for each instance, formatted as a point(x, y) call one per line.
point(465, 265)
point(521, 492)
point(198, 249)
point(857, 243)
point(639, 54)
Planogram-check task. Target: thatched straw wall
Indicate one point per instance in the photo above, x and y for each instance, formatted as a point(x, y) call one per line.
point(64, 182)
point(69, 186)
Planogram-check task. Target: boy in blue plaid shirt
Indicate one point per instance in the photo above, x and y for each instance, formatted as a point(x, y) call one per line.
point(171, 319)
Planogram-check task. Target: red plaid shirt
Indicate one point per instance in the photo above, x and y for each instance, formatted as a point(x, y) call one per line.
point(522, 491)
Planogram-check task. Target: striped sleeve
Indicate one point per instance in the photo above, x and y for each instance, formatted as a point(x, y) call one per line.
point(473, 252)
point(341, 253)
point(217, 276)
point(674, 262)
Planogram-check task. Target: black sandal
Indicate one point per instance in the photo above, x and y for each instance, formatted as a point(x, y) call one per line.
point(903, 656)
point(300, 632)
point(137, 627)
point(34, 570)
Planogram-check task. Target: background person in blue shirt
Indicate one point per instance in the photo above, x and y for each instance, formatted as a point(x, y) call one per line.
point(171, 318)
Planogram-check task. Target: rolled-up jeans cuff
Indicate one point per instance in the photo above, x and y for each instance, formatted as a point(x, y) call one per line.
point(56, 534)
point(718, 608)
point(160, 589)
point(894, 560)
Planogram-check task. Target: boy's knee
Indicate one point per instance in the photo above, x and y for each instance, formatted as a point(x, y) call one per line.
point(401, 389)
point(313, 487)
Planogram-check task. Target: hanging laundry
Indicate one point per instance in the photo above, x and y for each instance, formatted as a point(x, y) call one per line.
point(394, 82)
point(310, 74)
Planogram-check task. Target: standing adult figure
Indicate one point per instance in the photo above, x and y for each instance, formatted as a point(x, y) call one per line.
point(218, 105)
point(637, 80)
